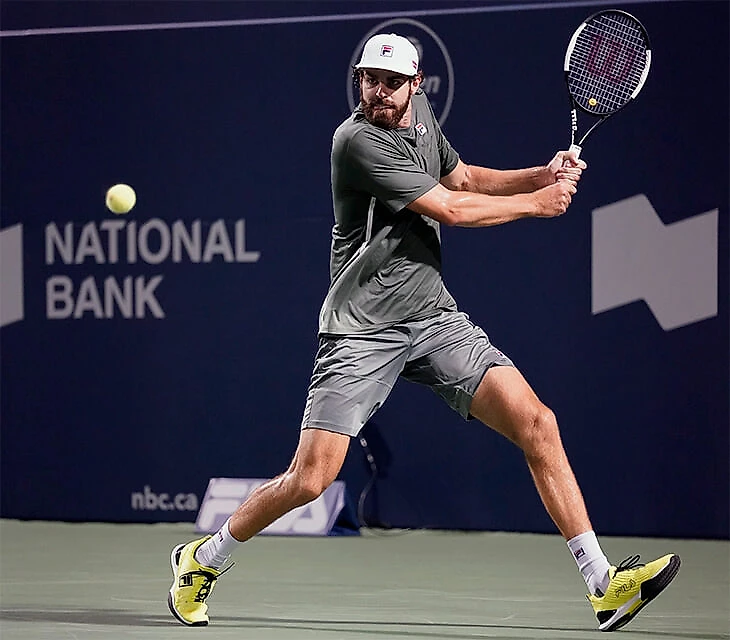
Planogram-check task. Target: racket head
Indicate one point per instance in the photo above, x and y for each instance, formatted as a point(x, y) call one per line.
point(607, 62)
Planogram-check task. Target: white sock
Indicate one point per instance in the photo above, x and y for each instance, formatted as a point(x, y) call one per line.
point(591, 561)
point(218, 548)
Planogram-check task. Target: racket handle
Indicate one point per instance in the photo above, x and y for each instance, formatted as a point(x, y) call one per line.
point(577, 148)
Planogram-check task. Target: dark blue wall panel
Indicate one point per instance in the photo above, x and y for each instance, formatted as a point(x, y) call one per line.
point(233, 123)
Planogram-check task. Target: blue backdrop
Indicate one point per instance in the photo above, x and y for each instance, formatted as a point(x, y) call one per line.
point(152, 351)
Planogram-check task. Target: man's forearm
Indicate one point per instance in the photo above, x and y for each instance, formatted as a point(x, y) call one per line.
point(507, 182)
point(469, 209)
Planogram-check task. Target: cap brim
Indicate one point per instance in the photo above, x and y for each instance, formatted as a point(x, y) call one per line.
point(383, 68)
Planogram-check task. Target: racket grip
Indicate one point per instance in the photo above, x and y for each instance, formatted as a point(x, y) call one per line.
point(577, 148)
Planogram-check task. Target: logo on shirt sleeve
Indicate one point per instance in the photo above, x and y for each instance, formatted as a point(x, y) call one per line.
point(421, 128)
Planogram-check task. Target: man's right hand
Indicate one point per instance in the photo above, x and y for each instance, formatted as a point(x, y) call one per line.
point(554, 199)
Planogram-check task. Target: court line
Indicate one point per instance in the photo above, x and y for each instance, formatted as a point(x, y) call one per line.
point(341, 17)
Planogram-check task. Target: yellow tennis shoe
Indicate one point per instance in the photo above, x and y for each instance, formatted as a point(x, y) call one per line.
point(631, 587)
point(192, 583)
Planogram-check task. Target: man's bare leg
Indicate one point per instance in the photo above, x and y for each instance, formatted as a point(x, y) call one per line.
point(317, 461)
point(197, 565)
point(505, 402)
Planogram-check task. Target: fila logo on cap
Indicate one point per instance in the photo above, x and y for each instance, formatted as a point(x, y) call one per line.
point(386, 51)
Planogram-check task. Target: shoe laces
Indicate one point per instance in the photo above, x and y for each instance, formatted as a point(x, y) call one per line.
point(629, 563)
point(205, 588)
point(208, 582)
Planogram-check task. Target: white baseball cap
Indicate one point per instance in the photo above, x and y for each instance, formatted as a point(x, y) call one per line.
point(389, 52)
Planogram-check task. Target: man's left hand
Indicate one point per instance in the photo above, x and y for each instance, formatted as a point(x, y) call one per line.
point(565, 166)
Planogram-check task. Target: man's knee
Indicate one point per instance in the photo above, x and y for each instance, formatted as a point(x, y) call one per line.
point(316, 463)
point(539, 432)
point(309, 485)
point(308, 482)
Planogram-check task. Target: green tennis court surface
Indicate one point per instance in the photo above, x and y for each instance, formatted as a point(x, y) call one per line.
point(106, 581)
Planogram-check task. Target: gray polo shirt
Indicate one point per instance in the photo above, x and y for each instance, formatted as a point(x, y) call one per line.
point(385, 261)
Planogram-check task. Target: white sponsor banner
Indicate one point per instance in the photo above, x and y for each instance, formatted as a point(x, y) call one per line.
point(224, 495)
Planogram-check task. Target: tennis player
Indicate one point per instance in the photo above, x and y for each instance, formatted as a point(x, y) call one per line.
point(387, 314)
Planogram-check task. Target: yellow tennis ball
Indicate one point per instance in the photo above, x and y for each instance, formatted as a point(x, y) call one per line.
point(593, 102)
point(120, 198)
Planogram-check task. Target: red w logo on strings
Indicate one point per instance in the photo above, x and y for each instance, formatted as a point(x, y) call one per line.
point(610, 59)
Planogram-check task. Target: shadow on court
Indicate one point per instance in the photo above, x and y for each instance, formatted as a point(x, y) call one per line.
point(103, 617)
point(121, 618)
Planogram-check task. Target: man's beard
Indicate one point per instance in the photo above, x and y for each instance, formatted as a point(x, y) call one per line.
point(384, 115)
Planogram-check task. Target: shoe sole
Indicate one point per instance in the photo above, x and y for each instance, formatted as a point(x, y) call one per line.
point(649, 590)
point(170, 597)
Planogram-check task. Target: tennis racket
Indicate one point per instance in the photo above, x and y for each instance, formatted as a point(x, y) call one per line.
point(606, 66)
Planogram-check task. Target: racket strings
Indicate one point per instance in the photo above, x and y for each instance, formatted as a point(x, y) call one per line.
point(607, 63)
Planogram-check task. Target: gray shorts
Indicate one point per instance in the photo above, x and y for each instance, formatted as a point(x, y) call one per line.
point(354, 374)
